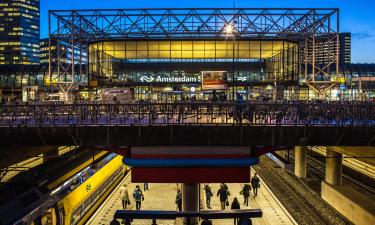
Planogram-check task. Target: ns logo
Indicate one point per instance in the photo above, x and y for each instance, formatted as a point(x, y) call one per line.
point(88, 187)
point(146, 79)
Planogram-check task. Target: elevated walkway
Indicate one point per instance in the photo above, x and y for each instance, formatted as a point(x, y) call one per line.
point(188, 124)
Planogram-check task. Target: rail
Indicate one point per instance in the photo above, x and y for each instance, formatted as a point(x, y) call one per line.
point(188, 113)
point(129, 215)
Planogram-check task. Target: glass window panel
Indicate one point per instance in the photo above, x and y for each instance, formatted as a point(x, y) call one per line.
point(198, 54)
point(131, 54)
point(153, 54)
point(25, 80)
point(187, 54)
point(153, 46)
point(210, 46)
point(176, 54)
point(165, 54)
point(142, 54)
point(198, 45)
point(254, 45)
point(187, 45)
point(210, 54)
point(243, 45)
point(221, 45)
point(243, 54)
point(176, 45)
point(131, 46)
point(119, 45)
point(164, 46)
point(142, 46)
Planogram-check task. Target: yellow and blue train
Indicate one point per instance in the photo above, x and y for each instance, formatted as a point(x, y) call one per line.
point(76, 194)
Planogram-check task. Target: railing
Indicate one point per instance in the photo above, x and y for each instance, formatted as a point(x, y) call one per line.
point(129, 215)
point(188, 113)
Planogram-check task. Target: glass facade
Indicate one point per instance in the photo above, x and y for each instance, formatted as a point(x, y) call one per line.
point(19, 31)
point(245, 61)
point(18, 76)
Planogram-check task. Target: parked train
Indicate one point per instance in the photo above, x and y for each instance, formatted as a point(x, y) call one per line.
point(75, 195)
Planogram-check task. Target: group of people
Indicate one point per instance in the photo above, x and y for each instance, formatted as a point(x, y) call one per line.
point(223, 194)
point(137, 195)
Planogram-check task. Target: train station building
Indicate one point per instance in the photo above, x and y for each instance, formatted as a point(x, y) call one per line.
point(174, 54)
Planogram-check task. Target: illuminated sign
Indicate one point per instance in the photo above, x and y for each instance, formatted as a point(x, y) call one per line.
point(171, 79)
point(243, 79)
point(214, 80)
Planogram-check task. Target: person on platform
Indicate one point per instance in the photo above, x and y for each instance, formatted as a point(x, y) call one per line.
point(245, 221)
point(246, 194)
point(179, 200)
point(235, 205)
point(225, 186)
point(138, 197)
point(209, 194)
point(114, 222)
point(255, 183)
point(124, 195)
point(223, 193)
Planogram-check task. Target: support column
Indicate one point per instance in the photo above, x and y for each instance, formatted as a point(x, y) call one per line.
point(190, 201)
point(300, 159)
point(333, 167)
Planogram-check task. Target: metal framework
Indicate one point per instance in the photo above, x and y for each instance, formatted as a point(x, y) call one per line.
point(313, 28)
point(185, 113)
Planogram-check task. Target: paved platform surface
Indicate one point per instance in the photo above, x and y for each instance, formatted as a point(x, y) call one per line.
point(162, 197)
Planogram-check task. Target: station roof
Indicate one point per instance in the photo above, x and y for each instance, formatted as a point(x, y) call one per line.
point(190, 23)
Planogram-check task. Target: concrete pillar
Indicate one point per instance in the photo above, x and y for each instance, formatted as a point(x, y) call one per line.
point(50, 154)
point(300, 159)
point(190, 201)
point(333, 167)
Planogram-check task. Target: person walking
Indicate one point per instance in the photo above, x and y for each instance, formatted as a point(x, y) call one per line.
point(209, 194)
point(145, 186)
point(138, 197)
point(223, 194)
point(235, 205)
point(246, 194)
point(255, 183)
point(179, 200)
point(124, 195)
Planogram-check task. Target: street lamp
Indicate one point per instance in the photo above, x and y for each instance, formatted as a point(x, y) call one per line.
point(230, 30)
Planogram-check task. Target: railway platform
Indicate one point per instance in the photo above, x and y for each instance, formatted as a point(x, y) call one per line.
point(162, 197)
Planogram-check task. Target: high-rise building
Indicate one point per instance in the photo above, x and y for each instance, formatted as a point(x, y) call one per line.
point(61, 52)
point(326, 51)
point(19, 31)
point(345, 40)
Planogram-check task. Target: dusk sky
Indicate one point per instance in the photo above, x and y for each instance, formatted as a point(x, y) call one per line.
point(356, 16)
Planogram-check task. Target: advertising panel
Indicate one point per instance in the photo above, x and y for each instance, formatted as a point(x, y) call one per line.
point(214, 80)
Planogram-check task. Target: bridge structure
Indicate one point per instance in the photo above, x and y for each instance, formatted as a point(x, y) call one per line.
point(188, 124)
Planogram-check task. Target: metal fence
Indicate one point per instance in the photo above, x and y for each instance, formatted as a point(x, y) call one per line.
point(189, 113)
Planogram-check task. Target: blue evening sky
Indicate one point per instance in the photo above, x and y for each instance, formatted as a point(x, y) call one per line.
point(356, 16)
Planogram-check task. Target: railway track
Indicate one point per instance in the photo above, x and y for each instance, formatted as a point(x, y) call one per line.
point(319, 166)
point(306, 207)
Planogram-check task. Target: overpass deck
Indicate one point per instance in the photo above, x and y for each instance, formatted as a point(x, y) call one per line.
point(187, 123)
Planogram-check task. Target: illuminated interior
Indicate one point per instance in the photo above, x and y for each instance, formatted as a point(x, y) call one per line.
point(192, 49)
point(270, 60)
